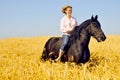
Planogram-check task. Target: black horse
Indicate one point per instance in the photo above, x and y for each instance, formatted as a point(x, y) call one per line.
point(77, 49)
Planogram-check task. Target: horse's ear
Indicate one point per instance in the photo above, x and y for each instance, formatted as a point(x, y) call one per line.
point(96, 17)
point(92, 17)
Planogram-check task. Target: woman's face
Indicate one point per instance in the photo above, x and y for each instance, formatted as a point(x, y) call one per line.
point(68, 11)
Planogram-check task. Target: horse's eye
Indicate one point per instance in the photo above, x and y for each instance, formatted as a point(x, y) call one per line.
point(94, 25)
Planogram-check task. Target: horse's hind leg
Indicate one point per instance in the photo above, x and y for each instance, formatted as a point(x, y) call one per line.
point(52, 56)
point(45, 55)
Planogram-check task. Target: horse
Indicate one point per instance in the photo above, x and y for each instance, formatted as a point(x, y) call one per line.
point(77, 49)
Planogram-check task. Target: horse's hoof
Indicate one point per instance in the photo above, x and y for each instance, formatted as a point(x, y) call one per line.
point(56, 60)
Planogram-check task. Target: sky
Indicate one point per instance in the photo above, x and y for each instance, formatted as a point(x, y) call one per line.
point(28, 18)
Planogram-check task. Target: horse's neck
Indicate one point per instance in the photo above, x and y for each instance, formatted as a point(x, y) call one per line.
point(80, 33)
point(84, 37)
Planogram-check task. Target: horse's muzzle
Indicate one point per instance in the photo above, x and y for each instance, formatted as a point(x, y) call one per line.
point(101, 38)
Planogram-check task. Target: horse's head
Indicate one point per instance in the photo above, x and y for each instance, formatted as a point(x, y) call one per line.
point(95, 29)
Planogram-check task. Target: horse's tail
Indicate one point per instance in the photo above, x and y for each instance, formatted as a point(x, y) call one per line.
point(46, 50)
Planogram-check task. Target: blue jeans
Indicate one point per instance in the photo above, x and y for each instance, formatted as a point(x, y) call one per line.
point(65, 40)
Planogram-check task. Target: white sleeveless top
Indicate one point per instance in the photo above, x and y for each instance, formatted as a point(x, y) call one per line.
point(67, 25)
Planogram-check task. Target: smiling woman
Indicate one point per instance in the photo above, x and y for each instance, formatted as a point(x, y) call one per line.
point(67, 25)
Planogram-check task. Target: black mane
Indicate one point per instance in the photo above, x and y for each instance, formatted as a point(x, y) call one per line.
point(77, 30)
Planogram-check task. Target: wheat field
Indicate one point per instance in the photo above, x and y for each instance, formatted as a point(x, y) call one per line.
point(20, 60)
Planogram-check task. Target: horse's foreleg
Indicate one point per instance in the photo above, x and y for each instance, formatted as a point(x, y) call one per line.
point(45, 55)
point(86, 55)
point(52, 55)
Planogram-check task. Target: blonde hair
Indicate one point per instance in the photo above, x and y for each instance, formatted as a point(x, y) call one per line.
point(65, 8)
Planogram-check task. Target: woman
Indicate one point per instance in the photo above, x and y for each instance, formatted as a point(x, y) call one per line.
point(67, 25)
